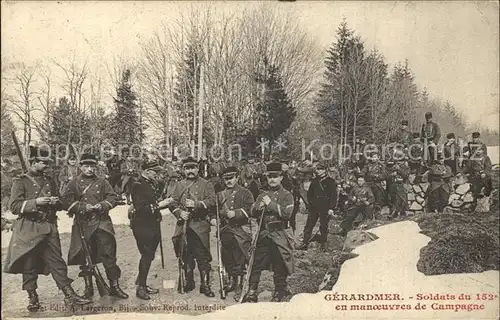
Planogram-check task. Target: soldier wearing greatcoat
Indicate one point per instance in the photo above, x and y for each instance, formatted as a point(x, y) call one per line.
point(398, 171)
point(360, 200)
point(375, 173)
point(35, 246)
point(274, 249)
point(235, 203)
point(439, 187)
point(92, 197)
point(430, 135)
point(478, 171)
point(193, 203)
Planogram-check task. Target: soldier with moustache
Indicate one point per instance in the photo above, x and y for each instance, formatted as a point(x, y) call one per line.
point(193, 203)
point(92, 197)
point(145, 222)
point(235, 204)
point(35, 246)
point(274, 249)
point(322, 199)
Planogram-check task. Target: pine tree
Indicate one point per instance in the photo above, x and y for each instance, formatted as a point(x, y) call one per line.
point(275, 111)
point(126, 129)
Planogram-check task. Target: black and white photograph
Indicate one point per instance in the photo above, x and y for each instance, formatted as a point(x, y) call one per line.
point(250, 159)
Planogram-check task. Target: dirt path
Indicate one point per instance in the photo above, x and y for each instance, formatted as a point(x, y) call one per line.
point(14, 300)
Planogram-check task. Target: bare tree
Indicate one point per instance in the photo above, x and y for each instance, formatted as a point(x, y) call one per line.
point(45, 107)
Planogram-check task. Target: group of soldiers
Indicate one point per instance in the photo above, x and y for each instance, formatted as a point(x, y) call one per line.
point(253, 199)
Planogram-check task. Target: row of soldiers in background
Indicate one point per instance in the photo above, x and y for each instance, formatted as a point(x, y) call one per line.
point(35, 246)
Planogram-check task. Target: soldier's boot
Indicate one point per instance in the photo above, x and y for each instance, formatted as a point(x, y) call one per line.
point(251, 296)
point(205, 284)
point(151, 290)
point(238, 288)
point(281, 295)
point(142, 293)
point(116, 291)
point(190, 285)
point(89, 287)
point(72, 299)
point(233, 280)
point(34, 303)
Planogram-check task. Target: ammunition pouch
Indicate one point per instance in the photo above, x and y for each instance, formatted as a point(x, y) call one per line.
point(40, 216)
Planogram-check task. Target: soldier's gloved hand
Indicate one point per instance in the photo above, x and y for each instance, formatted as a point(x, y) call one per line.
point(366, 202)
point(231, 214)
point(89, 207)
point(213, 222)
point(42, 201)
point(98, 207)
point(189, 203)
point(483, 175)
point(266, 200)
point(184, 215)
point(330, 212)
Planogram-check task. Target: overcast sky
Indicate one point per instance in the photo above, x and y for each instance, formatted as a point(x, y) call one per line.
point(452, 47)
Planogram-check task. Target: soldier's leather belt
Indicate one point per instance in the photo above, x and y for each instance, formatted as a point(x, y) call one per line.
point(274, 226)
point(40, 217)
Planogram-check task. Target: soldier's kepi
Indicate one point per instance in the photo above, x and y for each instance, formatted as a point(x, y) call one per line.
point(35, 246)
point(145, 223)
point(193, 203)
point(274, 249)
point(91, 198)
point(235, 203)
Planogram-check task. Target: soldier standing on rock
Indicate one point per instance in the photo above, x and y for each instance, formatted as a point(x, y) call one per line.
point(439, 188)
point(193, 202)
point(35, 246)
point(274, 246)
point(451, 152)
point(475, 145)
point(322, 199)
point(235, 203)
point(360, 200)
point(415, 157)
point(430, 135)
point(145, 223)
point(478, 170)
point(92, 197)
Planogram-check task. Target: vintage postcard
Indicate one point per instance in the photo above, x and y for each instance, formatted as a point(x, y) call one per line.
point(250, 159)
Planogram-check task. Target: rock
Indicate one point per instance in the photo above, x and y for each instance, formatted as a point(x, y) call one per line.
point(453, 197)
point(303, 263)
point(462, 189)
point(411, 197)
point(468, 198)
point(265, 295)
point(415, 207)
point(457, 203)
point(420, 200)
point(425, 178)
point(467, 206)
point(449, 209)
point(417, 188)
point(411, 178)
point(408, 187)
point(459, 180)
point(483, 204)
point(424, 186)
point(355, 238)
point(385, 211)
point(422, 194)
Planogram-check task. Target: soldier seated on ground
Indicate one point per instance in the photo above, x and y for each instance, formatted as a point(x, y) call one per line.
point(478, 172)
point(360, 200)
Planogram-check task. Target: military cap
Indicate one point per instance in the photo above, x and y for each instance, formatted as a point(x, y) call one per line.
point(230, 171)
point(39, 154)
point(450, 135)
point(404, 122)
point(306, 169)
point(476, 134)
point(274, 167)
point(428, 115)
point(189, 160)
point(152, 165)
point(88, 158)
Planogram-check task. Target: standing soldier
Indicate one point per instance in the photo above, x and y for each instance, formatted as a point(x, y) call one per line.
point(68, 172)
point(235, 203)
point(398, 172)
point(193, 201)
point(145, 223)
point(415, 157)
point(439, 188)
point(322, 198)
point(478, 170)
point(403, 136)
point(35, 246)
point(451, 152)
point(274, 246)
point(430, 135)
point(102, 170)
point(360, 200)
point(374, 174)
point(92, 197)
point(128, 170)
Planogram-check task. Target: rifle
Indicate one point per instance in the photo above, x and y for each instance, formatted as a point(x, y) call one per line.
point(102, 286)
point(246, 283)
point(181, 260)
point(221, 270)
point(161, 239)
point(24, 165)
